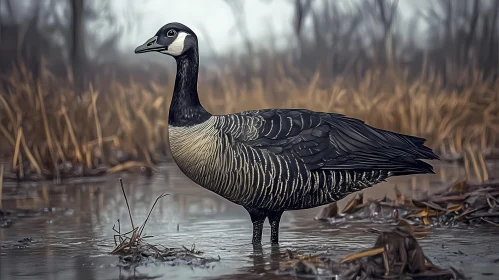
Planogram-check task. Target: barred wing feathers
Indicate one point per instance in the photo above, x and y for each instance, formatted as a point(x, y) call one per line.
point(330, 141)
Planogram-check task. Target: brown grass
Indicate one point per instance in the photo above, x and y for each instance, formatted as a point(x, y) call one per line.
point(130, 241)
point(134, 249)
point(46, 123)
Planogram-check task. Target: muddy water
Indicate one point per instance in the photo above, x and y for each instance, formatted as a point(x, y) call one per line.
point(73, 236)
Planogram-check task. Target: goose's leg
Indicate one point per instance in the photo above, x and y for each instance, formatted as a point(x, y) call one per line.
point(257, 218)
point(274, 219)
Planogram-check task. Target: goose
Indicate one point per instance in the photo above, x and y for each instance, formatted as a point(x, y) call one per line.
point(274, 160)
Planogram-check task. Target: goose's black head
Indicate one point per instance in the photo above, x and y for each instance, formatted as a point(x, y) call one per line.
point(174, 39)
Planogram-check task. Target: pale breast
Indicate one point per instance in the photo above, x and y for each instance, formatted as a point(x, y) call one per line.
point(193, 148)
point(214, 161)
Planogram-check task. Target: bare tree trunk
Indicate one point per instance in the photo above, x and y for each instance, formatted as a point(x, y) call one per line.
point(237, 8)
point(302, 9)
point(9, 12)
point(77, 54)
point(388, 11)
point(449, 38)
point(472, 30)
point(493, 43)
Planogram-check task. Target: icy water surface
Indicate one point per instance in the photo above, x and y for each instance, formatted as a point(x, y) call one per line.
point(74, 236)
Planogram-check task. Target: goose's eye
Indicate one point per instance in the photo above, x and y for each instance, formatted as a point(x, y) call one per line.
point(171, 33)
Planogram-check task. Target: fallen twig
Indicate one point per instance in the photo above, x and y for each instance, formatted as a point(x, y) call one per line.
point(460, 203)
point(396, 254)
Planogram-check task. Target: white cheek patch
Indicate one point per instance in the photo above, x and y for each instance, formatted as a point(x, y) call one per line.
point(176, 47)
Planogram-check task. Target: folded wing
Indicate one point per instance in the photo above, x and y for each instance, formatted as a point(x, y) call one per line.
point(333, 141)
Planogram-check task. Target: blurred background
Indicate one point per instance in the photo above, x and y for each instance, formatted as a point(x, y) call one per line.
point(75, 100)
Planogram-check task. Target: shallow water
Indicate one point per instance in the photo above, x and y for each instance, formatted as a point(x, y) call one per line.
point(73, 237)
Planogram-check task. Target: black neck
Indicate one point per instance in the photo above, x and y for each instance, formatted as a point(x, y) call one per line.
point(185, 108)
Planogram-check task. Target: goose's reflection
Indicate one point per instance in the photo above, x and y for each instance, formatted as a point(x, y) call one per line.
point(263, 263)
point(258, 259)
point(275, 258)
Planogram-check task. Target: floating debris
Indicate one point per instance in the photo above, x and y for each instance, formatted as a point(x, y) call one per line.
point(396, 254)
point(10, 216)
point(461, 203)
point(24, 243)
point(134, 250)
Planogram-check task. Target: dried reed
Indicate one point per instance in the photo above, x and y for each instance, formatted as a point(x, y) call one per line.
point(80, 133)
point(131, 242)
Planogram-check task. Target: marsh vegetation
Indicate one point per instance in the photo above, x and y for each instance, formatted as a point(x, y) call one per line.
point(102, 116)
